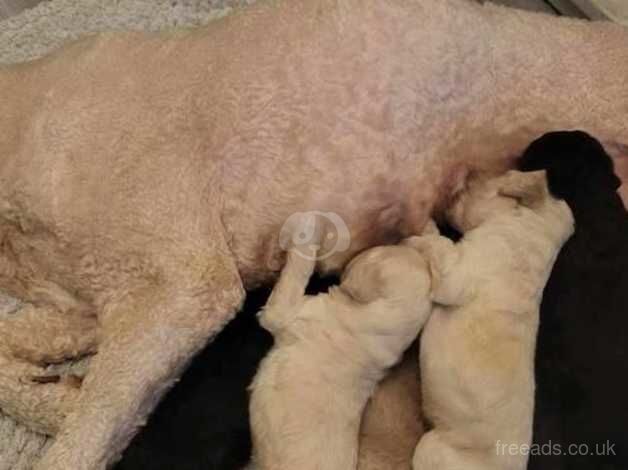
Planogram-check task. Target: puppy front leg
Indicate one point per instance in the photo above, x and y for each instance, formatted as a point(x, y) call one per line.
point(289, 291)
point(450, 283)
point(149, 335)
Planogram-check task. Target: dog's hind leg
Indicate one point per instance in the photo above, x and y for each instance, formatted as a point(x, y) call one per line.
point(46, 335)
point(149, 335)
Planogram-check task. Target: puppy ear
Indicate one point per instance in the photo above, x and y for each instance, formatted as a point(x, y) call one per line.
point(529, 189)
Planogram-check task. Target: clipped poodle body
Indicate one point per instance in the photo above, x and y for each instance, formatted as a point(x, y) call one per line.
point(582, 347)
point(144, 178)
point(330, 352)
point(477, 349)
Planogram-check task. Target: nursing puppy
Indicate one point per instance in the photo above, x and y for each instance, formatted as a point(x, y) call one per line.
point(477, 348)
point(330, 352)
point(582, 347)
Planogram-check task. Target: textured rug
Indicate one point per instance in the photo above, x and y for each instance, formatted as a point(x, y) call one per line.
point(32, 34)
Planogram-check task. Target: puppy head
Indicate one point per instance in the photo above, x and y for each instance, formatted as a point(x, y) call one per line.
point(485, 197)
point(576, 164)
point(387, 272)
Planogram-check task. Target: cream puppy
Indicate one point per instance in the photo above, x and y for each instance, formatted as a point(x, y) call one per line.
point(477, 349)
point(330, 352)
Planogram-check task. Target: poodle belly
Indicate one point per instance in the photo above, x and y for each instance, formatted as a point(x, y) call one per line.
point(372, 210)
